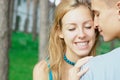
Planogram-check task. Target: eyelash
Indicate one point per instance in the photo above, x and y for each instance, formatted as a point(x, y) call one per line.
point(72, 29)
point(88, 27)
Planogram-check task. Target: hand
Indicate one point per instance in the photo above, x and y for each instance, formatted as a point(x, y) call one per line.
point(75, 73)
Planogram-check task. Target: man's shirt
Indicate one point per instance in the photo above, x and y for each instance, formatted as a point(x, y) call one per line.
point(104, 67)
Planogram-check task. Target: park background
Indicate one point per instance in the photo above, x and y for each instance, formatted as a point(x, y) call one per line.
point(24, 30)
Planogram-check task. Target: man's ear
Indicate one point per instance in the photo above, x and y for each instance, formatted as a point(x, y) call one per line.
point(118, 9)
point(118, 4)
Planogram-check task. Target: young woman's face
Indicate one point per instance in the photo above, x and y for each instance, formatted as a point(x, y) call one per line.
point(78, 32)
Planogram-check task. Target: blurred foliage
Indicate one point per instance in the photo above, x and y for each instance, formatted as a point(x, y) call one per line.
point(23, 55)
point(104, 47)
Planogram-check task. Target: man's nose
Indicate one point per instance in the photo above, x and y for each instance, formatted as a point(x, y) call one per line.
point(96, 25)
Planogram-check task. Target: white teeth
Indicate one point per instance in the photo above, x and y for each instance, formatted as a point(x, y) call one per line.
point(82, 44)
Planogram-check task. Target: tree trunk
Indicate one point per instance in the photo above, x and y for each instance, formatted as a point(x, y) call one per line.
point(51, 12)
point(4, 39)
point(17, 17)
point(35, 11)
point(27, 18)
point(10, 22)
point(43, 36)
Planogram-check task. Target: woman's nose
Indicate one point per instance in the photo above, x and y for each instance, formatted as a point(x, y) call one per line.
point(81, 34)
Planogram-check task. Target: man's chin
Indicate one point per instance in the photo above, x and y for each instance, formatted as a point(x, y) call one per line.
point(106, 39)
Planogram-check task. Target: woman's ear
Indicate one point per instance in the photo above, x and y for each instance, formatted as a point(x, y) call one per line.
point(60, 34)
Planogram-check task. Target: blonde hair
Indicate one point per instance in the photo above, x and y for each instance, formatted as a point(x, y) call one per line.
point(57, 47)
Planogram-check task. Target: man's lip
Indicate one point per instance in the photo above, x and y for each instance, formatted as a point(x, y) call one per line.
point(100, 30)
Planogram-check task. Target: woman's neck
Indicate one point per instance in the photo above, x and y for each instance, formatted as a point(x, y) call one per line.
point(72, 56)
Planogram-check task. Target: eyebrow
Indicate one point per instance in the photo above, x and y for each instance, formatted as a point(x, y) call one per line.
point(71, 23)
point(87, 21)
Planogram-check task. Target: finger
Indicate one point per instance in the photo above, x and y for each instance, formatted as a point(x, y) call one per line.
point(82, 61)
point(82, 72)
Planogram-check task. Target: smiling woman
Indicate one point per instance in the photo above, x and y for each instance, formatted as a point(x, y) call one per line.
point(72, 42)
point(78, 32)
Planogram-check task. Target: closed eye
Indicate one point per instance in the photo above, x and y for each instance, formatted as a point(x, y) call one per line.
point(96, 13)
point(88, 27)
point(71, 29)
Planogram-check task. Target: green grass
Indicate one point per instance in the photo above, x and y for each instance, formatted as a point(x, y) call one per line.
point(23, 55)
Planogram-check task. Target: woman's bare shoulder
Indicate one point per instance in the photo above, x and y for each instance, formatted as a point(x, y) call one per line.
point(40, 71)
point(42, 65)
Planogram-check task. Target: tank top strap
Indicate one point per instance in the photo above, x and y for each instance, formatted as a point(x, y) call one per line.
point(50, 71)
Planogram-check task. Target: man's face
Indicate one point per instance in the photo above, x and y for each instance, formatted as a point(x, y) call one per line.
point(106, 20)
